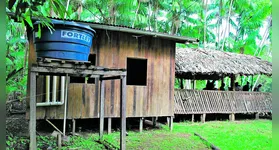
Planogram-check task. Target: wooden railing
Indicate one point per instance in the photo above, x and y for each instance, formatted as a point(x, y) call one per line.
point(206, 101)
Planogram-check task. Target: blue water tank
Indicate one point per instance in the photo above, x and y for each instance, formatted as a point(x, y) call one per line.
point(69, 40)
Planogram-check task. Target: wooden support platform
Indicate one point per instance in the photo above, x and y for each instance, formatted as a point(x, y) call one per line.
point(77, 69)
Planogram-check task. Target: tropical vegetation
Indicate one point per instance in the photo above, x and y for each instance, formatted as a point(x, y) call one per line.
point(239, 26)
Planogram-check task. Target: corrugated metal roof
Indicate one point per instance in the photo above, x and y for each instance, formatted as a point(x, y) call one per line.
point(121, 28)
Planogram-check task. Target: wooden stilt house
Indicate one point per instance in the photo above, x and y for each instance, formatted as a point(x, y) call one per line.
point(149, 58)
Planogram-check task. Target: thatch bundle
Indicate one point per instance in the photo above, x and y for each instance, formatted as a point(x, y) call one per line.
point(203, 63)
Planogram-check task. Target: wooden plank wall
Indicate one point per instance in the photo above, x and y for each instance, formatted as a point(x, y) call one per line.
point(206, 101)
point(112, 50)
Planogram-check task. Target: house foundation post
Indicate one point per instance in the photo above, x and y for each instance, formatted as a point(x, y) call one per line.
point(257, 116)
point(141, 124)
point(109, 125)
point(193, 117)
point(203, 116)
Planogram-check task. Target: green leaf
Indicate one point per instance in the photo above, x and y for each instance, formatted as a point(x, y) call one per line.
point(39, 31)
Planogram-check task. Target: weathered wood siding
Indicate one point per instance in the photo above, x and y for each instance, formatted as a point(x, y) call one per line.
point(112, 50)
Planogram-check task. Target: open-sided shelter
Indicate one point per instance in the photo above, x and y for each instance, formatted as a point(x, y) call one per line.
point(201, 64)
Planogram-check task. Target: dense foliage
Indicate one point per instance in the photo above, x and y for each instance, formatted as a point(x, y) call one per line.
point(239, 26)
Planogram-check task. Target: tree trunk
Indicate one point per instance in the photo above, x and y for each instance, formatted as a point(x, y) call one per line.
point(112, 12)
point(136, 16)
point(79, 11)
point(227, 26)
point(204, 27)
point(219, 23)
point(149, 15)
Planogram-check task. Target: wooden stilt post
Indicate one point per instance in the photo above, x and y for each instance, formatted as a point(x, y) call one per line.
point(168, 121)
point(74, 126)
point(32, 121)
point(194, 83)
point(102, 109)
point(232, 117)
point(109, 125)
point(181, 83)
point(193, 117)
point(154, 121)
point(232, 82)
point(257, 116)
point(123, 113)
point(203, 116)
point(141, 124)
point(59, 141)
point(171, 123)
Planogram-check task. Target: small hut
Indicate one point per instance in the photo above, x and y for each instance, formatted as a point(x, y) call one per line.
point(198, 64)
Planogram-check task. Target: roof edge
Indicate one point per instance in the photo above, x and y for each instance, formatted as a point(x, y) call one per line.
point(178, 39)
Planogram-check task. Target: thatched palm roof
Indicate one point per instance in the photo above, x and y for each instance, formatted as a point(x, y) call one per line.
point(203, 63)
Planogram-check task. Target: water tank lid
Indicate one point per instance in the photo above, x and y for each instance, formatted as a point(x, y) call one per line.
point(69, 23)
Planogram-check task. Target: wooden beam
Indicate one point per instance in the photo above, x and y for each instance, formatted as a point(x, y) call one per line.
point(109, 125)
point(32, 121)
point(54, 126)
point(123, 113)
point(77, 72)
point(111, 78)
point(102, 110)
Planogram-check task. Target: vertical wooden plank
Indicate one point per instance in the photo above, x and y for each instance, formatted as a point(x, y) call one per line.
point(102, 109)
point(40, 90)
point(96, 108)
point(70, 101)
point(32, 121)
point(78, 100)
point(123, 114)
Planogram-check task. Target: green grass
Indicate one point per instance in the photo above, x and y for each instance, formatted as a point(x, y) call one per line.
point(240, 135)
point(227, 135)
point(157, 139)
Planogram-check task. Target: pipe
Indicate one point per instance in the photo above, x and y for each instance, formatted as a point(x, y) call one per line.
point(50, 104)
point(65, 108)
point(54, 82)
point(47, 88)
point(62, 92)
